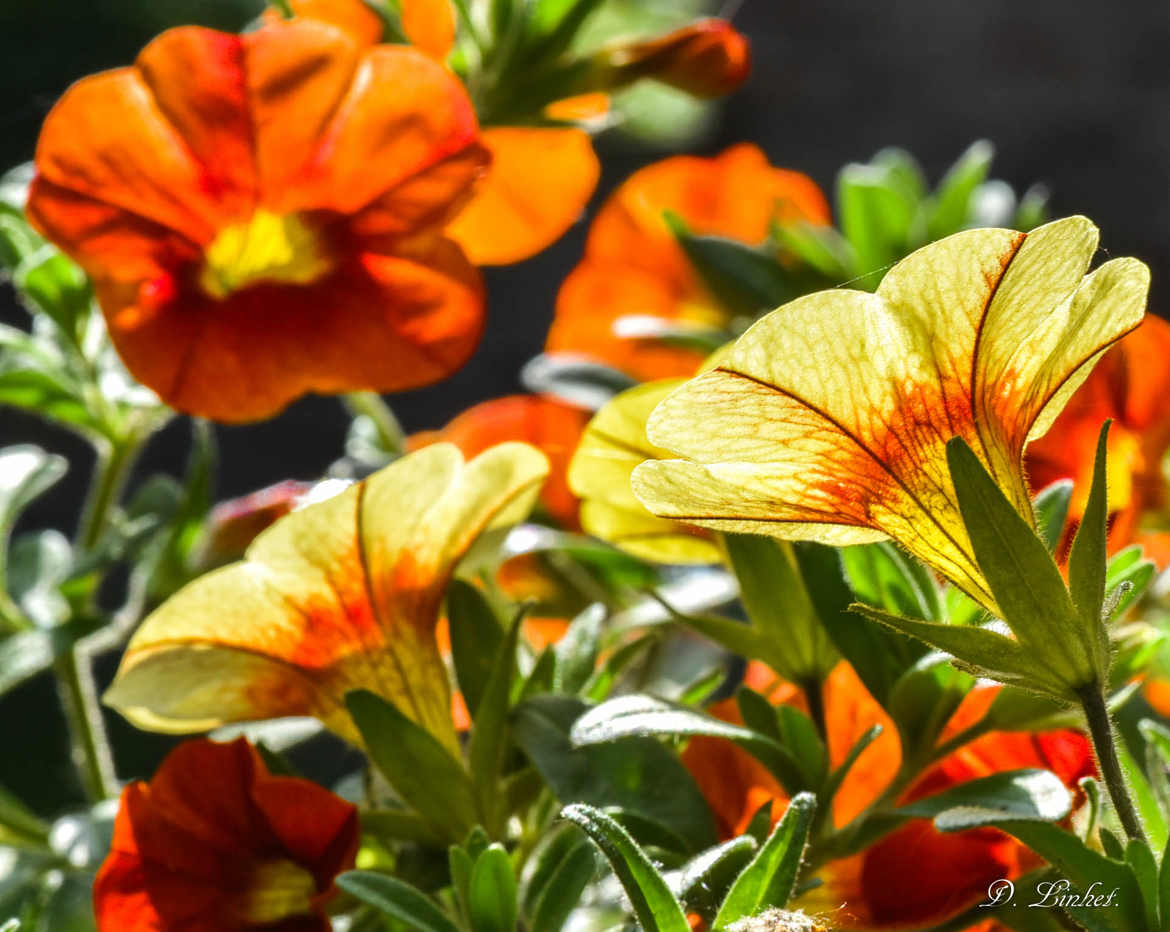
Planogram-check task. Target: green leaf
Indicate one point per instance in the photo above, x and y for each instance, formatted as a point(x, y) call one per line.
point(57, 288)
point(951, 209)
point(39, 564)
point(1023, 577)
point(460, 865)
point(799, 736)
point(702, 883)
point(400, 825)
point(821, 248)
point(883, 576)
point(492, 892)
point(19, 827)
point(23, 655)
point(654, 905)
point(1164, 886)
point(1141, 859)
point(837, 776)
point(878, 656)
point(744, 278)
point(1029, 795)
point(986, 651)
point(396, 899)
point(1127, 566)
point(777, 601)
point(413, 761)
point(578, 649)
point(645, 716)
point(1144, 797)
point(476, 635)
point(633, 774)
point(1087, 558)
point(768, 881)
point(488, 747)
point(923, 701)
point(875, 218)
point(1051, 507)
point(25, 473)
point(1083, 867)
point(562, 892)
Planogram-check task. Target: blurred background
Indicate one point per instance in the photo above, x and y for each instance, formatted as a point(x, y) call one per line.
point(1073, 95)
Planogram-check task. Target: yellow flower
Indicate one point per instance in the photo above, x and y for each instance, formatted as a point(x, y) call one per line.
point(613, 444)
point(340, 595)
point(828, 419)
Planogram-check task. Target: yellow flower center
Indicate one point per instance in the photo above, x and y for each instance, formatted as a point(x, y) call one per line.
point(279, 889)
point(267, 248)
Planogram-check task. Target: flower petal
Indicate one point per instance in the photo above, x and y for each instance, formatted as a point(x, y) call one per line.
point(613, 444)
point(342, 594)
point(430, 25)
point(828, 419)
point(537, 187)
point(355, 17)
point(382, 321)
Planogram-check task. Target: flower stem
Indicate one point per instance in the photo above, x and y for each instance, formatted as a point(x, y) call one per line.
point(814, 695)
point(87, 731)
point(373, 406)
point(1104, 739)
point(109, 478)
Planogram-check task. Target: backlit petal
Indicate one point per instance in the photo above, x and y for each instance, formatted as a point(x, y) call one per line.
point(430, 25)
point(828, 419)
point(612, 445)
point(340, 595)
point(537, 186)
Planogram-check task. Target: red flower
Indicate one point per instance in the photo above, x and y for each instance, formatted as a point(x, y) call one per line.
point(215, 843)
point(916, 875)
point(263, 215)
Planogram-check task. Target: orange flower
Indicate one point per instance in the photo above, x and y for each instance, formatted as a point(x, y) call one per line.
point(263, 215)
point(915, 875)
point(428, 24)
point(633, 265)
point(707, 58)
point(215, 843)
point(1129, 385)
point(340, 595)
point(549, 425)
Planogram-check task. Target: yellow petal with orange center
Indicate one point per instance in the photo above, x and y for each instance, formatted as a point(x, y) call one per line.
point(828, 419)
point(340, 595)
point(613, 444)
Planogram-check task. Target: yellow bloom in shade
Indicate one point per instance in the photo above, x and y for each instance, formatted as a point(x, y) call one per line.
point(828, 419)
point(613, 444)
point(340, 595)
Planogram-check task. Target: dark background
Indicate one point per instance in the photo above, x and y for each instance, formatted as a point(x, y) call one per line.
point(1072, 93)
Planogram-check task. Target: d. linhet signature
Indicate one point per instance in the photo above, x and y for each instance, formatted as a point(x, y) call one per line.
point(1053, 894)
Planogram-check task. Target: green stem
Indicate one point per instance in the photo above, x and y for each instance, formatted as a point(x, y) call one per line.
point(109, 479)
point(1104, 738)
point(373, 406)
point(87, 731)
point(284, 7)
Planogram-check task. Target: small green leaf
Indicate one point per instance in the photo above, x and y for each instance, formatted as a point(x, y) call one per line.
point(1144, 797)
point(412, 760)
point(883, 576)
point(799, 736)
point(1030, 795)
point(746, 279)
point(460, 865)
point(654, 905)
point(875, 218)
point(492, 892)
point(574, 379)
point(951, 209)
point(1051, 507)
point(25, 473)
point(775, 596)
point(768, 881)
point(476, 635)
point(578, 650)
point(488, 747)
point(702, 883)
point(396, 899)
point(564, 887)
point(1141, 859)
point(632, 774)
point(1023, 577)
point(645, 716)
point(19, 827)
point(1087, 558)
point(837, 776)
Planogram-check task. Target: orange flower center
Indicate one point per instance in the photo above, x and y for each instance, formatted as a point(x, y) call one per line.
point(267, 248)
point(279, 890)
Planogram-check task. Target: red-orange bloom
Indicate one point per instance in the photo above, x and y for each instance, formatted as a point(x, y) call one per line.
point(551, 426)
point(263, 215)
point(215, 843)
point(915, 875)
point(707, 59)
point(1129, 385)
point(634, 267)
